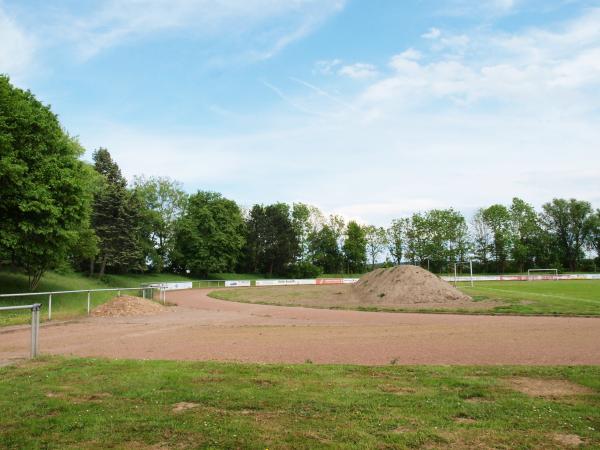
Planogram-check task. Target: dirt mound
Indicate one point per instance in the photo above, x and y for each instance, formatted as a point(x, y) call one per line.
point(127, 306)
point(407, 285)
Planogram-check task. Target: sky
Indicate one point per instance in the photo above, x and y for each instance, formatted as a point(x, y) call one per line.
point(369, 109)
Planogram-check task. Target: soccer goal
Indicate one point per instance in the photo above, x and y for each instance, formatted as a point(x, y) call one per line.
point(542, 274)
point(458, 266)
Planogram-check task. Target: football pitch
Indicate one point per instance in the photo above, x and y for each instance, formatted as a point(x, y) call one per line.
point(577, 297)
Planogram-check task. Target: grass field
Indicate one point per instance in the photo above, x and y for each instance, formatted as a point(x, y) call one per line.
point(540, 297)
point(581, 297)
point(92, 403)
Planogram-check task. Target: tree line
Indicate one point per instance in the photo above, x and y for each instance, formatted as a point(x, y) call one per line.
point(57, 210)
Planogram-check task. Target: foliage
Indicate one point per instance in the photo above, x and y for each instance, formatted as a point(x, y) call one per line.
point(594, 238)
point(117, 219)
point(324, 249)
point(570, 223)
point(45, 189)
point(376, 242)
point(498, 220)
point(526, 232)
point(164, 201)
point(396, 237)
point(355, 247)
point(272, 242)
point(439, 235)
point(481, 236)
point(304, 269)
point(209, 236)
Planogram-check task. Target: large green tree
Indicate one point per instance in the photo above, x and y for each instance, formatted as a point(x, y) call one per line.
point(438, 235)
point(272, 240)
point(118, 219)
point(45, 190)
point(498, 219)
point(396, 238)
point(526, 232)
point(164, 202)
point(376, 242)
point(594, 237)
point(355, 248)
point(481, 238)
point(325, 250)
point(570, 223)
point(209, 236)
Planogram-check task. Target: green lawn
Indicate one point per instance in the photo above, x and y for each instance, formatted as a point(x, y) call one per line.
point(96, 403)
point(540, 297)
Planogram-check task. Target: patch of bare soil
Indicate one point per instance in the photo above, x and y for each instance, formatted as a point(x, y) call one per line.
point(465, 420)
point(184, 406)
point(541, 387)
point(569, 440)
point(411, 287)
point(128, 306)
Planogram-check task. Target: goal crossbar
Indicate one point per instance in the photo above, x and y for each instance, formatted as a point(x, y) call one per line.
point(531, 274)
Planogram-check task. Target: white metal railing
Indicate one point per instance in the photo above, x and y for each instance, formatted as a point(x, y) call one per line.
point(89, 295)
point(35, 323)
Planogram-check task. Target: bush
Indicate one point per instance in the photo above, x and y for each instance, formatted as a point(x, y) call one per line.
point(304, 270)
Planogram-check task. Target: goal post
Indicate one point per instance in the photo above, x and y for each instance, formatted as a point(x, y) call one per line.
point(461, 263)
point(538, 274)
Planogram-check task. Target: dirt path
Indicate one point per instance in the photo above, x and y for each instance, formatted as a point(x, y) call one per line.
point(201, 328)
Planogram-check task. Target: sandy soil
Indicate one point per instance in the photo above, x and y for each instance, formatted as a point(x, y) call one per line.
point(202, 328)
point(127, 305)
point(407, 285)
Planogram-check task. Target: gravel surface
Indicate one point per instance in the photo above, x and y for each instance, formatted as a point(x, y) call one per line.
point(202, 328)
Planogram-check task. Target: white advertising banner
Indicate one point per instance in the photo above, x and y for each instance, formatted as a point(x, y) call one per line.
point(173, 286)
point(288, 282)
point(238, 283)
point(572, 276)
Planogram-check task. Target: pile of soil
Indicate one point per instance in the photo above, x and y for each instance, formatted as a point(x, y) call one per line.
point(407, 285)
point(128, 306)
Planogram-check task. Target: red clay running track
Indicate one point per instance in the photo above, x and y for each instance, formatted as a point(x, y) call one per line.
point(202, 328)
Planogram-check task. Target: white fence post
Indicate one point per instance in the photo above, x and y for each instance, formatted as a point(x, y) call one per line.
point(88, 301)
point(50, 307)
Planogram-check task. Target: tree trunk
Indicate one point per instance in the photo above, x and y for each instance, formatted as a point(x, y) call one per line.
point(102, 267)
point(92, 264)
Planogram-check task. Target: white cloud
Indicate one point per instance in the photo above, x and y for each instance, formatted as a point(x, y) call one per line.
point(433, 33)
point(479, 8)
point(17, 47)
point(268, 25)
point(327, 67)
point(358, 71)
point(514, 116)
point(533, 69)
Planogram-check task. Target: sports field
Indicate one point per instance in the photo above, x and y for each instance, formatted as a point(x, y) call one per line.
point(581, 297)
point(246, 375)
point(540, 297)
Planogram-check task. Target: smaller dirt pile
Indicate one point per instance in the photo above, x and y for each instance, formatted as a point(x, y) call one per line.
point(407, 285)
point(128, 306)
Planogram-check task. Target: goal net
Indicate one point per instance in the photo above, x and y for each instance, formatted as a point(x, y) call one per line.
point(542, 274)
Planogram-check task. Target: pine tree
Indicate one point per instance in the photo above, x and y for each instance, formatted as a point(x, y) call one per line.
point(116, 218)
